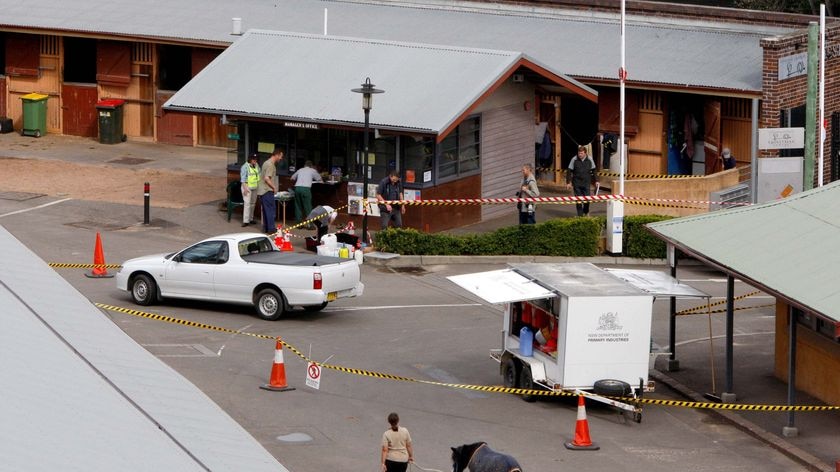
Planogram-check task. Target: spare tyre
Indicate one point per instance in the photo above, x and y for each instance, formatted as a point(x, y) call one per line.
point(612, 388)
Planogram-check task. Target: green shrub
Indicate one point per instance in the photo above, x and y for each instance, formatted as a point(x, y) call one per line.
point(638, 241)
point(576, 237)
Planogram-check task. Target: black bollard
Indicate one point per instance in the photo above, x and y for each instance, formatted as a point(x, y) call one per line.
point(146, 203)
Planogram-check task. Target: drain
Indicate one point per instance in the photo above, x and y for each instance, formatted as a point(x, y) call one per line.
point(129, 161)
point(295, 438)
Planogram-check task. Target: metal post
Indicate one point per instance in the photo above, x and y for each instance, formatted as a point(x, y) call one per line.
point(810, 108)
point(146, 203)
point(790, 430)
point(365, 180)
point(754, 154)
point(673, 363)
point(728, 395)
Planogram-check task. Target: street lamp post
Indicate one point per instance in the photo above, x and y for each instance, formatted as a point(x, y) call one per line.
point(367, 90)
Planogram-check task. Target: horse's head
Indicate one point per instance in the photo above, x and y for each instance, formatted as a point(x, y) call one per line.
point(462, 455)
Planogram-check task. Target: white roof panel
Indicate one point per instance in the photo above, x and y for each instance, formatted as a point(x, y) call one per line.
point(501, 286)
point(656, 283)
point(80, 394)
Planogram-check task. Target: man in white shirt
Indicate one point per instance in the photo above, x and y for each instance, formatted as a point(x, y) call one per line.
point(303, 179)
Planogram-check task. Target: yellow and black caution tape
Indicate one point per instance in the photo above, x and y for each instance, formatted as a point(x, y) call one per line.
point(311, 220)
point(701, 308)
point(723, 310)
point(59, 265)
point(479, 388)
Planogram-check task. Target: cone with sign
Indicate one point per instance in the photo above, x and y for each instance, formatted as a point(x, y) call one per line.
point(582, 441)
point(99, 271)
point(277, 382)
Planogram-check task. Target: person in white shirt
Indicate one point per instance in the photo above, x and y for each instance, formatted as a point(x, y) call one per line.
point(303, 179)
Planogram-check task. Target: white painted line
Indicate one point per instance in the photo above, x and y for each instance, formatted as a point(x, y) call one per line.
point(390, 307)
point(34, 208)
point(697, 340)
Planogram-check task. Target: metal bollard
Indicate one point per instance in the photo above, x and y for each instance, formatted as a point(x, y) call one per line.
point(146, 203)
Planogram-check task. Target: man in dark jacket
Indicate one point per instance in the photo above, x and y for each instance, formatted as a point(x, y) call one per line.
point(579, 176)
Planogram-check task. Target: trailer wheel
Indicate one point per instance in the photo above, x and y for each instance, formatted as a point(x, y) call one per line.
point(510, 373)
point(612, 388)
point(526, 381)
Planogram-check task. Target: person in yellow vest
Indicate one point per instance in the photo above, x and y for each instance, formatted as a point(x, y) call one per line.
point(249, 176)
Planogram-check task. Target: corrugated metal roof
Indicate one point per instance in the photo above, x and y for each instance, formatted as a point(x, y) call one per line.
point(577, 43)
point(308, 78)
point(80, 395)
point(786, 246)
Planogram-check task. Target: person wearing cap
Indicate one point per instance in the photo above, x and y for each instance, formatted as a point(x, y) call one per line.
point(728, 159)
point(249, 176)
point(579, 176)
point(322, 215)
point(389, 190)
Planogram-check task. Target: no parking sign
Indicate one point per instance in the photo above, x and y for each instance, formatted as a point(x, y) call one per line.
point(313, 375)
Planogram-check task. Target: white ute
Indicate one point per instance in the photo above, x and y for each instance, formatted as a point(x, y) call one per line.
point(242, 268)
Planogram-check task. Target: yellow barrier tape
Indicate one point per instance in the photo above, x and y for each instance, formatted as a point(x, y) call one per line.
point(753, 307)
point(701, 308)
point(479, 388)
point(311, 220)
point(58, 265)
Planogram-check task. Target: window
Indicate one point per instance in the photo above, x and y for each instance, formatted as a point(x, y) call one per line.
point(460, 152)
point(418, 159)
point(175, 67)
point(209, 252)
point(80, 60)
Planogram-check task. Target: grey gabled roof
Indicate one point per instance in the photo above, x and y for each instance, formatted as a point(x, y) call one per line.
point(300, 77)
point(786, 246)
point(666, 52)
point(80, 395)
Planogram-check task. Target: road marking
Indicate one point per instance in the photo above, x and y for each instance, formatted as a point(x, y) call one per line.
point(697, 340)
point(194, 350)
point(391, 307)
point(34, 208)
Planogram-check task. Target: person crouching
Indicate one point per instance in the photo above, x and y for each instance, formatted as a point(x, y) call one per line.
point(321, 216)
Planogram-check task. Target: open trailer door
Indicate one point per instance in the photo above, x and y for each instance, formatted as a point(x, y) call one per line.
point(501, 286)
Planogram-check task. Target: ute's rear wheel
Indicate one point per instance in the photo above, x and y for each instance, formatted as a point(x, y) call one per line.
point(270, 304)
point(143, 290)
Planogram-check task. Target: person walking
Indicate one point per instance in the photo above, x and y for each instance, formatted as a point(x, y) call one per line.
point(303, 179)
point(528, 189)
point(249, 176)
point(580, 175)
point(390, 189)
point(266, 190)
point(397, 450)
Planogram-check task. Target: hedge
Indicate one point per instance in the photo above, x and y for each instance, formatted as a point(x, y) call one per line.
point(576, 237)
point(638, 241)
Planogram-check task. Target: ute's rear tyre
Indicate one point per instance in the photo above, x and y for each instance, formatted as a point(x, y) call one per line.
point(270, 304)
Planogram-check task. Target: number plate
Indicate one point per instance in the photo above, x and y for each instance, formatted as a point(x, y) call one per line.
point(331, 296)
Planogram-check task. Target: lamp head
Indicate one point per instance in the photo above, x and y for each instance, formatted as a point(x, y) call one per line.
point(367, 90)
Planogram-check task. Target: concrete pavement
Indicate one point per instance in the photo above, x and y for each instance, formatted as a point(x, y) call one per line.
point(817, 447)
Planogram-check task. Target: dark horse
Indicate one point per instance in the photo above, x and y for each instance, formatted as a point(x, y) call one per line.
point(478, 457)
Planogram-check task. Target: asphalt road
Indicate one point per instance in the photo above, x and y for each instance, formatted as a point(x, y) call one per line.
point(413, 323)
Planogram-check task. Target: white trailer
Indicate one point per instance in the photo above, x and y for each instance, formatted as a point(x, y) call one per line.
point(591, 325)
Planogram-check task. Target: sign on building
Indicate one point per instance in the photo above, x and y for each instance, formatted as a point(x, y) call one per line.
point(781, 138)
point(778, 177)
point(793, 66)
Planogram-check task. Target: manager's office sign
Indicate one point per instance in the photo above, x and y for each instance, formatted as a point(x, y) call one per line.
point(781, 138)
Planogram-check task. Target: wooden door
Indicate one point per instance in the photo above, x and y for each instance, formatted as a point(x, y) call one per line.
point(79, 109)
point(44, 79)
point(711, 138)
point(172, 128)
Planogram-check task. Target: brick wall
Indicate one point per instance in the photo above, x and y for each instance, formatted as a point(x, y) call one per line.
point(789, 93)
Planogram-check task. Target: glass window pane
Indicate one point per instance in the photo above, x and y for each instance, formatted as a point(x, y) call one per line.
point(418, 155)
point(448, 165)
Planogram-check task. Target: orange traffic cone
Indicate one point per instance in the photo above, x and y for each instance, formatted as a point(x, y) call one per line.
point(286, 242)
point(582, 441)
point(98, 260)
point(277, 382)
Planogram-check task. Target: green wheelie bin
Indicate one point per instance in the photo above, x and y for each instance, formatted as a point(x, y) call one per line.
point(110, 121)
point(34, 114)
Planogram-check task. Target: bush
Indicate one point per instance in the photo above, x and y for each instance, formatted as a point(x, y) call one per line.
point(575, 237)
point(638, 241)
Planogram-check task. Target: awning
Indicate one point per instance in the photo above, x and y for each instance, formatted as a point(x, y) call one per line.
point(501, 286)
point(658, 284)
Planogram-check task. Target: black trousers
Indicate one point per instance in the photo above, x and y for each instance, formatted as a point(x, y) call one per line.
point(392, 466)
